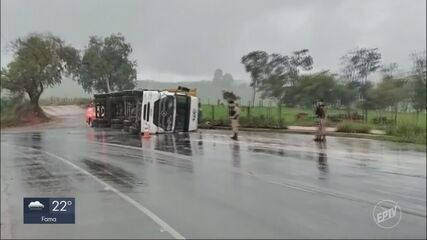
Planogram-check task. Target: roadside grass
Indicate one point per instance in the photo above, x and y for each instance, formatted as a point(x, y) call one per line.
point(409, 127)
point(407, 132)
point(353, 127)
point(18, 112)
point(289, 115)
point(219, 112)
point(12, 113)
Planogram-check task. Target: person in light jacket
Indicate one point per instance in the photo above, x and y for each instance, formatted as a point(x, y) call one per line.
point(234, 113)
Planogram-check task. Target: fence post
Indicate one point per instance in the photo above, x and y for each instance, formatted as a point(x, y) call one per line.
point(248, 110)
point(213, 112)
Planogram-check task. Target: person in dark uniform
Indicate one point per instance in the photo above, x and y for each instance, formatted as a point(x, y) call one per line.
point(321, 117)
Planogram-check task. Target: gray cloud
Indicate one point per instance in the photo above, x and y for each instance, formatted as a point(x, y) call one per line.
point(187, 40)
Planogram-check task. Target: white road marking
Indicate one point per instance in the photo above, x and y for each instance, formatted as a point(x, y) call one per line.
point(304, 188)
point(400, 195)
point(310, 189)
point(143, 209)
point(181, 156)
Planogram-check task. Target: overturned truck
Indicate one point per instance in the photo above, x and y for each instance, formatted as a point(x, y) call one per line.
point(155, 111)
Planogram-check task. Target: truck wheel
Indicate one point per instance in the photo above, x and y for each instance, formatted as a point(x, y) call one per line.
point(126, 128)
point(97, 122)
point(133, 130)
point(127, 123)
point(116, 125)
point(116, 121)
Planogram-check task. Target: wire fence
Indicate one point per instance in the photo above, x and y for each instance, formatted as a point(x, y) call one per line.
point(64, 101)
point(273, 114)
point(262, 112)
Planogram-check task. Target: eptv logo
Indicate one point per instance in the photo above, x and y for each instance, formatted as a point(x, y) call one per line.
point(387, 214)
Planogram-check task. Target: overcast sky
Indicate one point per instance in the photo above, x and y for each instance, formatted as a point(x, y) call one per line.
point(187, 40)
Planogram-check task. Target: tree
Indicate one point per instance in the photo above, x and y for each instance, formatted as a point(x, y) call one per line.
point(106, 66)
point(389, 70)
point(282, 72)
point(311, 87)
point(40, 61)
point(358, 65)
point(389, 93)
point(418, 97)
point(254, 63)
point(271, 74)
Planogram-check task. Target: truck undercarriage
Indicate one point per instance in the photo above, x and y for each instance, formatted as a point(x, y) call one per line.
point(136, 111)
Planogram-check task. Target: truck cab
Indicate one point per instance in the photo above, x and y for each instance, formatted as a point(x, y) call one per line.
point(165, 111)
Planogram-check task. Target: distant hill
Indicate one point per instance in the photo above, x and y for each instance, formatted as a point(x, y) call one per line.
point(68, 88)
point(207, 91)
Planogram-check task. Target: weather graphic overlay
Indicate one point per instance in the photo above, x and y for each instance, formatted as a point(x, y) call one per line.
point(49, 210)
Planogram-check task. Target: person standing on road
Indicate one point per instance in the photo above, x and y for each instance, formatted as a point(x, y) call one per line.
point(321, 117)
point(234, 117)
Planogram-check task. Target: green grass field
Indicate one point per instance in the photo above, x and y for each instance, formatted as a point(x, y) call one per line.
point(219, 112)
point(407, 129)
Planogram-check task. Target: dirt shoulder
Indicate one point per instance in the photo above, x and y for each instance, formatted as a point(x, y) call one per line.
point(311, 130)
point(54, 115)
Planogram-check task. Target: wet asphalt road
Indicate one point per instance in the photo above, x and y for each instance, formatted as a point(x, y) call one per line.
point(204, 185)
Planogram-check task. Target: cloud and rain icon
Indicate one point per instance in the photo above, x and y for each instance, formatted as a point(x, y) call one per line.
point(36, 205)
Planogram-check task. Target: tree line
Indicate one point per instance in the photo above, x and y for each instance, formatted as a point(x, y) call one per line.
point(41, 60)
point(284, 78)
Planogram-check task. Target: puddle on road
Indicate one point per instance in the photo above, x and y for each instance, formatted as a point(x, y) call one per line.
point(111, 173)
point(322, 161)
point(40, 175)
point(278, 152)
point(179, 143)
point(183, 164)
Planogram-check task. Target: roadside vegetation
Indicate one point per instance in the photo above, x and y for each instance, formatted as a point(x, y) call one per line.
point(410, 126)
point(18, 112)
point(357, 99)
point(41, 61)
point(407, 132)
point(53, 101)
point(353, 127)
point(395, 103)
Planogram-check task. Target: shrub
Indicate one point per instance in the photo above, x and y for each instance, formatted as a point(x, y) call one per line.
point(4, 104)
point(261, 122)
point(405, 132)
point(12, 112)
point(344, 116)
point(382, 120)
point(300, 116)
point(353, 127)
point(253, 122)
point(64, 101)
point(335, 118)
